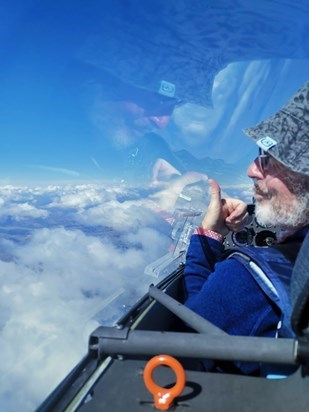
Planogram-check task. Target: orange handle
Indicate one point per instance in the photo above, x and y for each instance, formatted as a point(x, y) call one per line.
point(163, 398)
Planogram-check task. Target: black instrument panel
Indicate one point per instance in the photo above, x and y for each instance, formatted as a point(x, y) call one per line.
point(253, 234)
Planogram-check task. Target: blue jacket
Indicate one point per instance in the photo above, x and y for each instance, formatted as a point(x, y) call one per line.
point(224, 289)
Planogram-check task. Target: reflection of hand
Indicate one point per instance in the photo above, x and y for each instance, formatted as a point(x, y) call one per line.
point(163, 171)
point(224, 215)
point(167, 197)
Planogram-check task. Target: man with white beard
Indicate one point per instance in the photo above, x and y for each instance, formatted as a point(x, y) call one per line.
point(246, 291)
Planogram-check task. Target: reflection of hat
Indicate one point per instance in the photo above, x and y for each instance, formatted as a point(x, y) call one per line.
point(285, 135)
point(158, 48)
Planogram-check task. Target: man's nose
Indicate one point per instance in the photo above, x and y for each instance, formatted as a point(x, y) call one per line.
point(160, 121)
point(254, 171)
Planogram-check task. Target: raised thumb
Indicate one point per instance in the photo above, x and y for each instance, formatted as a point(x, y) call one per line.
point(215, 193)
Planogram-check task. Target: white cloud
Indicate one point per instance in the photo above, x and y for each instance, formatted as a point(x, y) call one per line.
point(21, 211)
point(120, 216)
point(241, 191)
point(82, 196)
point(15, 202)
point(57, 282)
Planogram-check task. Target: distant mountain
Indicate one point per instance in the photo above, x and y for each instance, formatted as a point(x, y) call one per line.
point(217, 169)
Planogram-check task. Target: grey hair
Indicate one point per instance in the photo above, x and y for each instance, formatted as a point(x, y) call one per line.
point(297, 183)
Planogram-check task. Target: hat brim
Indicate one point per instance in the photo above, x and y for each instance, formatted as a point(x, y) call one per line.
point(290, 136)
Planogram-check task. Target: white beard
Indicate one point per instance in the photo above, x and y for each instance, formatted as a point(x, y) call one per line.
point(288, 217)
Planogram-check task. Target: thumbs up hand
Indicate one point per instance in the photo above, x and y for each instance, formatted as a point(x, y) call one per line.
point(224, 215)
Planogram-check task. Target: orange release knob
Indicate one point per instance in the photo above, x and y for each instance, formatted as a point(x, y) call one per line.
point(163, 398)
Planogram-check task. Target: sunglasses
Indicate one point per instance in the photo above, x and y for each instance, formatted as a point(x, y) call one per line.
point(263, 160)
point(160, 105)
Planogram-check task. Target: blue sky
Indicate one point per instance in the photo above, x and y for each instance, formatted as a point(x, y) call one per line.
point(47, 132)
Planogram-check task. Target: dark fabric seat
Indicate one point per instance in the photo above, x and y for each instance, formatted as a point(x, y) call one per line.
point(300, 291)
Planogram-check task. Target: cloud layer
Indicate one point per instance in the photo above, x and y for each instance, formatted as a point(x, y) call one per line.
point(70, 256)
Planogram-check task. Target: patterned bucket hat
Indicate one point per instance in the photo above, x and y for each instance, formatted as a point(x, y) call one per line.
point(285, 135)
